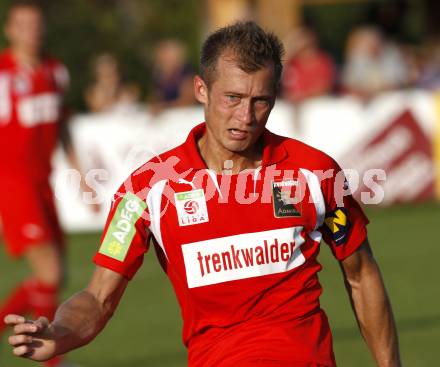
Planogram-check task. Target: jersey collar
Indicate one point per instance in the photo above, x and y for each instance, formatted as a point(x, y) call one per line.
point(273, 149)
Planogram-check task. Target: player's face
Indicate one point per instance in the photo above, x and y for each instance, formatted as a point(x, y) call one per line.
point(24, 28)
point(237, 104)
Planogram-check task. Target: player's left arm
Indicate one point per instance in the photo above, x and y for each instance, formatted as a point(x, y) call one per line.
point(371, 305)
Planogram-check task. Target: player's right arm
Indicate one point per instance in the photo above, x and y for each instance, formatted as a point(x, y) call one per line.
point(80, 319)
point(77, 321)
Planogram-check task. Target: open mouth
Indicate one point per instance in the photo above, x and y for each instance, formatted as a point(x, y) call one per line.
point(238, 134)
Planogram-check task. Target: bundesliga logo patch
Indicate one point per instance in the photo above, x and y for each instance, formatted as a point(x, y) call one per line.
point(285, 196)
point(338, 225)
point(191, 207)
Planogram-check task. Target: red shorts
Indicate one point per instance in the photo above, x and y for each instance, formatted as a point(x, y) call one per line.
point(27, 214)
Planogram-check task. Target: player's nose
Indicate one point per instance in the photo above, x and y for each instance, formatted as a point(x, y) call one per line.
point(245, 113)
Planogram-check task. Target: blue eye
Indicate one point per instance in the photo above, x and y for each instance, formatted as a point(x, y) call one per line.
point(232, 98)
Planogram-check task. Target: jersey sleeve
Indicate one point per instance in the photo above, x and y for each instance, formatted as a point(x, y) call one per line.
point(126, 236)
point(344, 228)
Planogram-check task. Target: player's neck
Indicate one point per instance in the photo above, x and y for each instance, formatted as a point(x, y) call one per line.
point(25, 57)
point(215, 157)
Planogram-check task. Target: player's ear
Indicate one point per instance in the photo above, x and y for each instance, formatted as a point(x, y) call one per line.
point(200, 90)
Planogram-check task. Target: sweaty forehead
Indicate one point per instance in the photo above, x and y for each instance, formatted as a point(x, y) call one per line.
point(230, 75)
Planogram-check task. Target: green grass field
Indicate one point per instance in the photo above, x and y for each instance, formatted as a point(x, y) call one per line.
point(146, 328)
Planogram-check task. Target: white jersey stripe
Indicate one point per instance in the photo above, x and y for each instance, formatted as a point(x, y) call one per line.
point(316, 236)
point(154, 202)
point(213, 176)
point(316, 195)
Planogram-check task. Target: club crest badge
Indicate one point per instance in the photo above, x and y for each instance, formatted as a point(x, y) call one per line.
point(191, 207)
point(286, 198)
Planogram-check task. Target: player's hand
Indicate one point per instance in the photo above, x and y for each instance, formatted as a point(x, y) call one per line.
point(34, 340)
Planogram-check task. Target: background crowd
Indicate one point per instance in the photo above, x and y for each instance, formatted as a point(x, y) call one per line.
point(130, 58)
point(373, 63)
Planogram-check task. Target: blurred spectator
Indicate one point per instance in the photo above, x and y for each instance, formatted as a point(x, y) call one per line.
point(172, 77)
point(429, 66)
point(309, 71)
point(107, 90)
point(372, 65)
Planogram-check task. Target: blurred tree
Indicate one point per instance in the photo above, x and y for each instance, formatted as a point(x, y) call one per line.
point(80, 29)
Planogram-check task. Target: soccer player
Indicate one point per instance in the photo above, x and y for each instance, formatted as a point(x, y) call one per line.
point(32, 121)
point(240, 247)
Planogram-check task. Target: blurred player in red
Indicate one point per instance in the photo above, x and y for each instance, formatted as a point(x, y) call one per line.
point(32, 122)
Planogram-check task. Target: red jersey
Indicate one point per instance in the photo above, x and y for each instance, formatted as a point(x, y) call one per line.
point(30, 108)
point(240, 250)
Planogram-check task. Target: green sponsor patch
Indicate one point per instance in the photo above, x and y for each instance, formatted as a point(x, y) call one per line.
point(122, 229)
point(189, 195)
